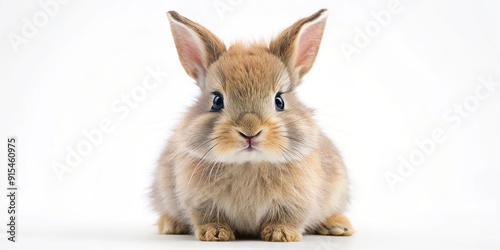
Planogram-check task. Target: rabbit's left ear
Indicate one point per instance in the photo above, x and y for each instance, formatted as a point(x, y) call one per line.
point(297, 46)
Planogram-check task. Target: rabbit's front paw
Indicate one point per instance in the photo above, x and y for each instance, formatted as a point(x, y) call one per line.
point(281, 233)
point(169, 225)
point(337, 225)
point(214, 232)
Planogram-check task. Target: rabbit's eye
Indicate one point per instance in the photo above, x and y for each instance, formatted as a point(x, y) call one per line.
point(279, 102)
point(218, 102)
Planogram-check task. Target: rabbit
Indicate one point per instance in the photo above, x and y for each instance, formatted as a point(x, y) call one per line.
point(248, 159)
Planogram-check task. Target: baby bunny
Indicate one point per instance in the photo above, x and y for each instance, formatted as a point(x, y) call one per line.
point(248, 158)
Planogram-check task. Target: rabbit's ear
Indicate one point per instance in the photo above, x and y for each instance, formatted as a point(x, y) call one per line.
point(197, 47)
point(297, 46)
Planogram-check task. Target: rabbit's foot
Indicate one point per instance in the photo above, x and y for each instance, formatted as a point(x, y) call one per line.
point(337, 225)
point(214, 232)
point(281, 233)
point(169, 225)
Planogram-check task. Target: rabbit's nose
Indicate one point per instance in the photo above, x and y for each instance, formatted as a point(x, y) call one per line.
point(249, 137)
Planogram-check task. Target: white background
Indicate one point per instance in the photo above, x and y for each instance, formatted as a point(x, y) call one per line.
point(395, 90)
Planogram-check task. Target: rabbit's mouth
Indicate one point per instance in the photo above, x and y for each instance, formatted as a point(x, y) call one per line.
point(250, 148)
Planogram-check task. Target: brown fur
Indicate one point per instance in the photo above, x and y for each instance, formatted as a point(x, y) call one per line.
point(294, 181)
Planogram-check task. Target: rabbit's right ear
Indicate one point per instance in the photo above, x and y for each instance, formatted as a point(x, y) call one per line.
point(197, 47)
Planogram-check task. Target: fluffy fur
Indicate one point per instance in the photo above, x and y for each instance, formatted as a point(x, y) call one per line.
point(291, 182)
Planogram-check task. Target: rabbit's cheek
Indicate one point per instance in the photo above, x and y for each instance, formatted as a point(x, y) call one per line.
point(273, 137)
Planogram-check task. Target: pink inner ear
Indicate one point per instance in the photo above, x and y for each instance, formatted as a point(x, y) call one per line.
point(308, 44)
point(190, 51)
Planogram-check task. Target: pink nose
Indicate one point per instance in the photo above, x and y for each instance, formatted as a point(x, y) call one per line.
point(249, 137)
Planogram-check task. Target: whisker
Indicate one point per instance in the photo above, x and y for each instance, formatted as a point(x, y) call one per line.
point(199, 163)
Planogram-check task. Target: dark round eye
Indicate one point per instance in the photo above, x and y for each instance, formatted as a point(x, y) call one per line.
point(279, 102)
point(218, 102)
